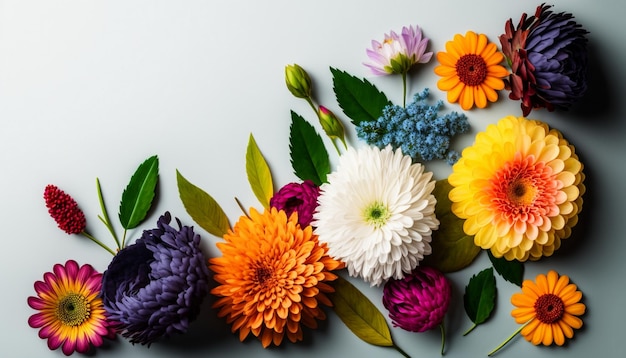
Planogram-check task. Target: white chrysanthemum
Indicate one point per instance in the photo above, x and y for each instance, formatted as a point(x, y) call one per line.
point(377, 213)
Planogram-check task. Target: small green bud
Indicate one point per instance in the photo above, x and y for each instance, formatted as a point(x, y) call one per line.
point(331, 124)
point(298, 81)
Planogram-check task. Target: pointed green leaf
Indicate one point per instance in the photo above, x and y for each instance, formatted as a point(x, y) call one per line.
point(259, 175)
point(139, 193)
point(452, 249)
point(480, 296)
point(512, 271)
point(359, 314)
point(309, 158)
point(359, 99)
point(202, 208)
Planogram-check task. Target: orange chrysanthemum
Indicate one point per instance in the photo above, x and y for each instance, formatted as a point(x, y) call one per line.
point(470, 70)
point(551, 306)
point(519, 187)
point(272, 275)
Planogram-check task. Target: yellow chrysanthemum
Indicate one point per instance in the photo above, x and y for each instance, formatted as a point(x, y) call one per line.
point(519, 187)
point(470, 70)
point(551, 306)
point(272, 275)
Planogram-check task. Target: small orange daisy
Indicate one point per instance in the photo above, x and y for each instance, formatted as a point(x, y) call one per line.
point(470, 70)
point(551, 305)
point(272, 274)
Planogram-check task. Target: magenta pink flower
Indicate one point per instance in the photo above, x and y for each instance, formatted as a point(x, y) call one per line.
point(298, 197)
point(70, 313)
point(419, 301)
point(398, 53)
point(64, 210)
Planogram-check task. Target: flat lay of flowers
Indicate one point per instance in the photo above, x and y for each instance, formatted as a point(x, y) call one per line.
point(365, 208)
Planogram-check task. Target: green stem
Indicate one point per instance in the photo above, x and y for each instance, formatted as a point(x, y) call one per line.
point(84, 233)
point(509, 339)
point(442, 327)
point(403, 89)
point(105, 216)
point(404, 354)
point(243, 210)
point(470, 329)
point(310, 102)
point(124, 239)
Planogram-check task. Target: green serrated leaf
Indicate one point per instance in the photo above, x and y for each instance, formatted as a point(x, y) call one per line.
point(452, 249)
point(139, 193)
point(480, 296)
point(359, 99)
point(202, 208)
point(359, 314)
point(309, 158)
point(512, 271)
point(259, 175)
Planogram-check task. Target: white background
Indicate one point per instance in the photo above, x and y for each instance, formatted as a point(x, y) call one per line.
point(91, 88)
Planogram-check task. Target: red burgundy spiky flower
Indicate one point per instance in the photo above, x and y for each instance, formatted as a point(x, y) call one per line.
point(64, 210)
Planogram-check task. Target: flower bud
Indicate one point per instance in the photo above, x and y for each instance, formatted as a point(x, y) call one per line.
point(298, 81)
point(64, 210)
point(331, 124)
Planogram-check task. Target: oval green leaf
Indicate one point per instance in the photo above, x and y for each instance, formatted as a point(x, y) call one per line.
point(309, 158)
point(359, 99)
point(452, 249)
point(512, 271)
point(259, 175)
point(480, 296)
point(139, 193)
point(202, 208)
point(359, 314)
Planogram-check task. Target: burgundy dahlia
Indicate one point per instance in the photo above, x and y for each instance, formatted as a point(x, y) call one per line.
point(548, 55)
point(64, 210)
point(301, 198)
point(419, 301)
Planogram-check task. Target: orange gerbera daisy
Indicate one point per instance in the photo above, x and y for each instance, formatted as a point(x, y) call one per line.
point(551, 305)
point(471, 70)
point(272, 275)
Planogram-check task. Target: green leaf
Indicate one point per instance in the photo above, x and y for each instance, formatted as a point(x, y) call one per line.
point(259, 175)
point(359, 314)
point(202, 208)
point(512, 271)
point(359, 99)
point(480, 297)
point(139, 193)
point(309, 158)
point(452, 249)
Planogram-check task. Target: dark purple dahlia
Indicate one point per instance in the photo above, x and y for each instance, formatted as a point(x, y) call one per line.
point(301, 198)
point(154, 287)
point(419, 301)
point(547, 54)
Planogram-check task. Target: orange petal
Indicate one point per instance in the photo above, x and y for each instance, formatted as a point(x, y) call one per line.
point(448, 83)
point(447, 59)
point(467, 98)
point(481, 44)
point(455, 93)
point(445, 71)
point(492, 95)
point(479, 97)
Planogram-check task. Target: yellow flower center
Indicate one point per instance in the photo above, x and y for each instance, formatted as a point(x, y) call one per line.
point(471, 69)
point(549, 308)
point(376, 214)
point(521, 192)
point(73, 309)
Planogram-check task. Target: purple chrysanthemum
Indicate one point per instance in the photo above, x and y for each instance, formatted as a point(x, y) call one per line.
point(548, 55)
point(419, 301)
point(298, 197)
point(154, 287)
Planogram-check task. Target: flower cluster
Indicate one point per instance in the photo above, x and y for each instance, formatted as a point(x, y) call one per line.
point(416, 129)
point(516, 193)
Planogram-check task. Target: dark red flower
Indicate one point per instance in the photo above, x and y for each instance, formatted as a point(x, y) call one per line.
point(64, 210)
point(547, 54)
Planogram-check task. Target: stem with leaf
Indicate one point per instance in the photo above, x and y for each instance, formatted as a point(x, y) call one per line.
point(509, 339)
point(105, 217)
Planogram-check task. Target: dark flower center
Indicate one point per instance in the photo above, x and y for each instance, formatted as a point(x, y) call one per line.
point(73, 309)
point(471, 69)
point(549, 308)
point(292, 204)
point(263, 274)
